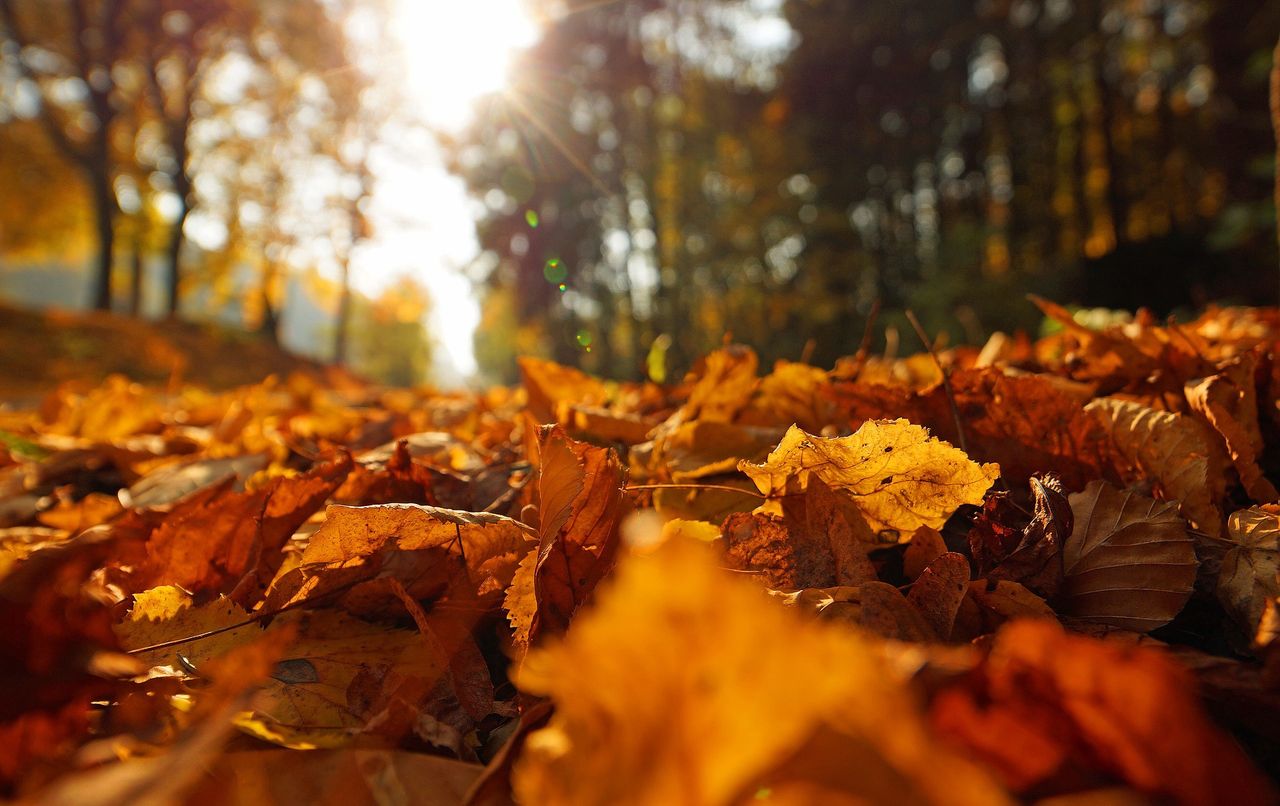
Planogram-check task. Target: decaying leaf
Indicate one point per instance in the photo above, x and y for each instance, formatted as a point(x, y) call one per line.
point(939, 590)
point(1129, 561)
point(811, 545)
point(898, 476)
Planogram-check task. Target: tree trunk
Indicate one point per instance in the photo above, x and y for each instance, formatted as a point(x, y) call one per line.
point(173, 256)
point(104, 210)
point(343, 325)
point(136, 276)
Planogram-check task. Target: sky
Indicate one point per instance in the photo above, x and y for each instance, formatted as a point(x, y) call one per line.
point(456, 53)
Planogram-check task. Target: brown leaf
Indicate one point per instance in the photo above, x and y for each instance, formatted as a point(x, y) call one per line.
point(580, 507)
point(220, 539)
point(1171, 451)
point(1250, 574)
point(1129, 561)
point(1052, 710)
point(551, 386)
point(926, 546)
point(876, 607)
point(811, 545)
point(432, 551)
point(938, 592)
point(724, 386)
point(1229, 402)
point(1037, 560)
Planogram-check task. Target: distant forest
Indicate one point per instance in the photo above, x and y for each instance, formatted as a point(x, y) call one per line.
point(657, 171)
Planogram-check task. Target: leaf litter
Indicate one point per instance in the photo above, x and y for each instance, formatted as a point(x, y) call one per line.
point(787, 585)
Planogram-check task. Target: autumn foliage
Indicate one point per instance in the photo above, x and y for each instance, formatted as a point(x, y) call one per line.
point(1033, 572)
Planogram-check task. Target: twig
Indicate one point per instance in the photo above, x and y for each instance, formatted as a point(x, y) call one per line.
point(1275, 125)
point(722, 487)
point(946, 380)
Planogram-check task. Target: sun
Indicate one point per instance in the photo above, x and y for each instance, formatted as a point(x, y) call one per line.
point(458, 51)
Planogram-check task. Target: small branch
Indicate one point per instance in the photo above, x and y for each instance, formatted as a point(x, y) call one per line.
point(721, 487)
point(946, 381)
point(1275, 125)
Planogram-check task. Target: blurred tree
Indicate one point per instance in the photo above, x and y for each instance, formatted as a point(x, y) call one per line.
point(690, 169)
point(67, 55)
point(390, 337)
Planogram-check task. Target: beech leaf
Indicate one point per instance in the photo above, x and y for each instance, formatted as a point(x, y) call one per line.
point(1129, 561)
point(897, 476)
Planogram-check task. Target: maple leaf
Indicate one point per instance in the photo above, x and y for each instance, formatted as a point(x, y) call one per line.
point(897, 476)
point(1046, 707)
point(1129, 561)
point(706, 692)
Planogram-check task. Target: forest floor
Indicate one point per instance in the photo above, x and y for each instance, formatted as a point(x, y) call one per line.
point(1039, 572)
point(46, 348)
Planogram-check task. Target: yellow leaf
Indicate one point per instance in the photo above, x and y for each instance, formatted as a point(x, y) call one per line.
point(166, 614)
point(706, 692)
point(898, 476)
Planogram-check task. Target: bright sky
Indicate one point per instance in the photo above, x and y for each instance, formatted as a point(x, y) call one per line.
point(457, 52)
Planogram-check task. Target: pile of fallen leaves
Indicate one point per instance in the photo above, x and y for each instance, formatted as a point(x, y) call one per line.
point(1031, 572)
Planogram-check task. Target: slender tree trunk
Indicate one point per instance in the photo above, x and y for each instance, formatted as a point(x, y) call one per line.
point(173, 256)
point(270, 327)
point(343, 324)
point(136, 276)
point(104, 210)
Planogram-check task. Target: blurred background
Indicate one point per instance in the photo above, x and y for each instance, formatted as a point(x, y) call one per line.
point(425, 189)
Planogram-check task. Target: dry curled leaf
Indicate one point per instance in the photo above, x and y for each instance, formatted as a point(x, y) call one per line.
point(1250, 574)
point(1229, 403)
point(1170, 451)
point(432, 551)
point(896, 475)
point(811, 545)
point(1129, 561)
point(580, 508)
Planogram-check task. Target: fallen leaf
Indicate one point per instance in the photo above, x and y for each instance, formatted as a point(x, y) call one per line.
point(1129, 561)
point(1046, 707)
point(1250, 574)
point(939, 590)
point(580, 509)
point(1171, 451)
point(693, 693)
point(897, 476)
point(430, 550)
point(1229, 403)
